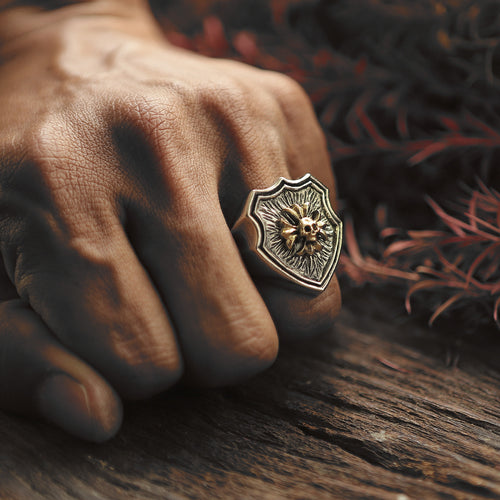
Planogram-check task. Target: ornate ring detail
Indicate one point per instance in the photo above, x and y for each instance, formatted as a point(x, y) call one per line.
point(292, 228)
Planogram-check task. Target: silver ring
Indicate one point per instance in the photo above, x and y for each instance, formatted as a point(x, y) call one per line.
point(292, 229)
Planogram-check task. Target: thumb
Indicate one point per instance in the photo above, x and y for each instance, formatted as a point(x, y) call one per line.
point(38, 375)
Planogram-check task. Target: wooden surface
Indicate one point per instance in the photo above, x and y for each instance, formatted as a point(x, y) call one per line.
point(370, 410)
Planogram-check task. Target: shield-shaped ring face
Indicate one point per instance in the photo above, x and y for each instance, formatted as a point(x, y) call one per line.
point(296, 231)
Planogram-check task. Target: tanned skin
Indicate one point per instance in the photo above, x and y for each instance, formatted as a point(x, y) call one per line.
point(124, 162)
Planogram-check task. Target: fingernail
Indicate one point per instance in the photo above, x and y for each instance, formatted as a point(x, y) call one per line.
point(63, 401)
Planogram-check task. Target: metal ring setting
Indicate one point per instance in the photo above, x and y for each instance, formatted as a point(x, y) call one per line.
point(292, 228)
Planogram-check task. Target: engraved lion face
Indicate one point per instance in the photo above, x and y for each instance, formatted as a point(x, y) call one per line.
point(301, 230)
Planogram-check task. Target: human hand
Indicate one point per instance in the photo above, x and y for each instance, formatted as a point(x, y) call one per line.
point(124, 162)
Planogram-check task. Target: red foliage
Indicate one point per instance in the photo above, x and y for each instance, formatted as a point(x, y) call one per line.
point(460, 262)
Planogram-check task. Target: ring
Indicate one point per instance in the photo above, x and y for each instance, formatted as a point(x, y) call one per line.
point(292, 229)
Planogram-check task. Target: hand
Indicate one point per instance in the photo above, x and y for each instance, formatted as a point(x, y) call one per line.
point(124, 164)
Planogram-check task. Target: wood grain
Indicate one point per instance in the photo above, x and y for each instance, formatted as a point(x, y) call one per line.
point(370, 410)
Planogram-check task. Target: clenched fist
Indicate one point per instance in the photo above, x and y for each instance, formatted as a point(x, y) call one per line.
point(124, 163)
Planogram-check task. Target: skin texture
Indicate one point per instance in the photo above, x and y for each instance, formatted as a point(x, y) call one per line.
point(124, 163)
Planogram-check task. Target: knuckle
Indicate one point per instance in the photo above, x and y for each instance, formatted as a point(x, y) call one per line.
point(229, 101)
point(44, 253)
point(225, 89)
point(49, 146)
point(61, 160)
point(258, 350)
point(160, 134)
point(139, 364)
point(45, 174)
point(243, 356)
point(28, 168)
point(289, 94)
point(155, 114)
point(143, 377)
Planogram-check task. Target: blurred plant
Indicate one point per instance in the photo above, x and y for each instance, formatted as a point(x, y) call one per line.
point(459, 263)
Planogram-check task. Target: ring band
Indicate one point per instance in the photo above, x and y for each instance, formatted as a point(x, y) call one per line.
point(292, 229)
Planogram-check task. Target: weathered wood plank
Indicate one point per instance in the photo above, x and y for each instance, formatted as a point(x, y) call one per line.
point(370, 410)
